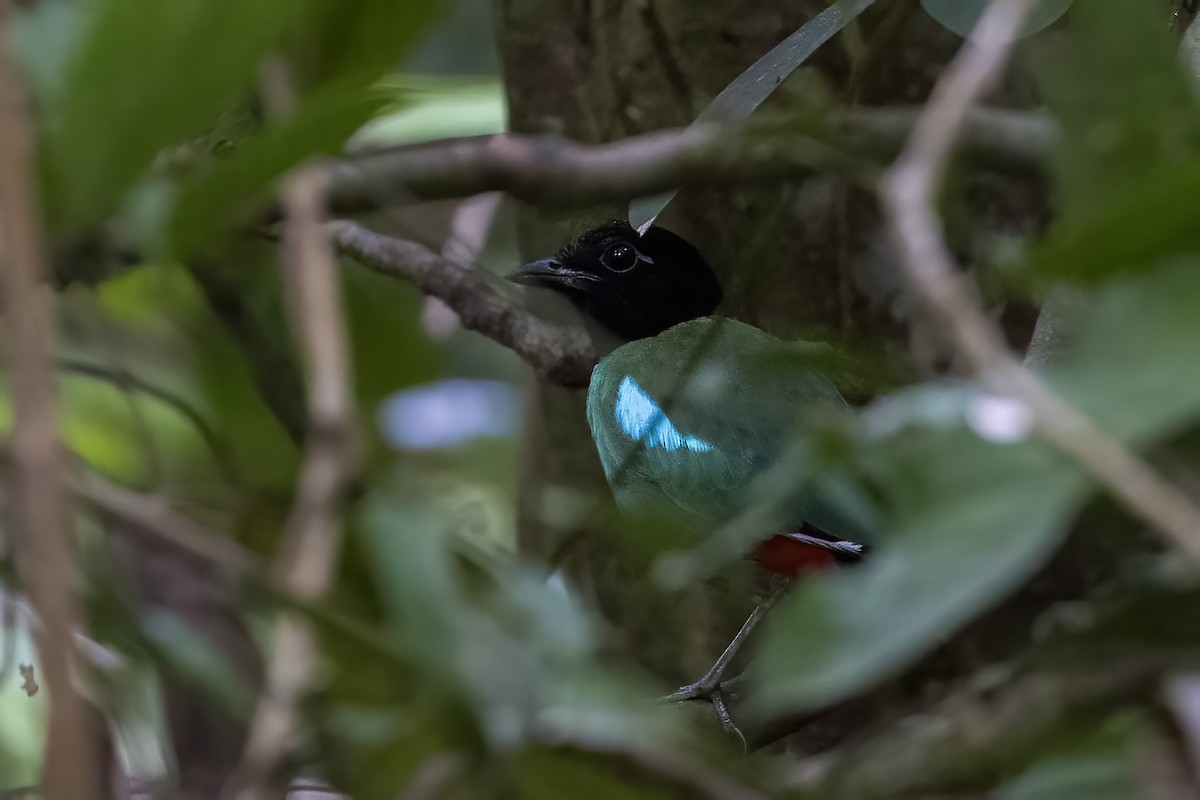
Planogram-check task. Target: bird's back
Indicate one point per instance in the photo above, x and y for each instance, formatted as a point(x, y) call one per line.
point(690, 417)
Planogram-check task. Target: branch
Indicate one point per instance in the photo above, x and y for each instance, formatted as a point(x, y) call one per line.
point(550, 170)
point(560, 355)
point(313, 532)
point(41, 530)
point(908, 193)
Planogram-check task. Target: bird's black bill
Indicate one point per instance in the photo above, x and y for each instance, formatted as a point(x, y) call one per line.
point(550, 273)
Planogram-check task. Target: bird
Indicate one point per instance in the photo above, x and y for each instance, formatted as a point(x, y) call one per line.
point(690, 408)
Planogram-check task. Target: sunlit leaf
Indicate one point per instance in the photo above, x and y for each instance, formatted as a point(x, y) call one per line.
point(423, 109)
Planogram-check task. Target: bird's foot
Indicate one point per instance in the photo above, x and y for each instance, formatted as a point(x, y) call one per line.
point(708, 689)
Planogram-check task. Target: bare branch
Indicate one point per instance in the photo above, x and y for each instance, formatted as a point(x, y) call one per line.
point(908, 193)
point(560, 355)
point(550, 170)
point(41, 531)
point(313, 532)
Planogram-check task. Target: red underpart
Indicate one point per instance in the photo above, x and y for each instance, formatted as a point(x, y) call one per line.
point(788, 556)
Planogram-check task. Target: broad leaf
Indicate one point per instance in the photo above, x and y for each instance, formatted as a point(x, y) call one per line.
point(1103, 764)
point(145, 75)
point(242, 181)
point(1126, 159)
point(969, 519)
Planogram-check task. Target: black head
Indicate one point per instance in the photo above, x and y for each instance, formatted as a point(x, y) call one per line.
point(636, 286)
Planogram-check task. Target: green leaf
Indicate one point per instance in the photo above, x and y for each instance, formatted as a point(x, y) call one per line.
point(198, 661)
point(970, 519)
point(145, 75)
point(242, 181)
point(960, 16)
point(1103, 766)
point(425, 108)
point(1124, 168)
point(1131, 230)
point(1137, 380)
point(363, 39)
point(408, 540)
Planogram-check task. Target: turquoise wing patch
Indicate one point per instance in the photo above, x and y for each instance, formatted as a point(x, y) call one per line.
point(641, 418)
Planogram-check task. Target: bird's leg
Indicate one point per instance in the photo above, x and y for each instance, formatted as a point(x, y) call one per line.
point(709, 687)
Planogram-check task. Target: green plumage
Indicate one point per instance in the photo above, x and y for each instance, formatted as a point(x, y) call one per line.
point(725, 398)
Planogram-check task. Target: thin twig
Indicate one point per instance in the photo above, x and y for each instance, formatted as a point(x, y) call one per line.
point(908, 193)
point(550, 170)
point(313, 532)
point(560, 355)
point(41, 530)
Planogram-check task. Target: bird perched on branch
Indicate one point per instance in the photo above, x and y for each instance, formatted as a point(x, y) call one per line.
point(692, 407)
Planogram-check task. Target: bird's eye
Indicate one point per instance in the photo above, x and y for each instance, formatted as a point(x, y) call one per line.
point(620, 258)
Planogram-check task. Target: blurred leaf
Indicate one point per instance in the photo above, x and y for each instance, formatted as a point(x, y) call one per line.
point(363, 39)
point(1137, 227)
point(44, 38)
point(145, 75)
point(415, 576)
point(1132, 364)
point(197, 661)
point(153, 321)
point(1100, 767)
point(351, 48)
point(970, 519)
point(960, 16)
point(550, 774)
point(1126, 158)
point(423, 109)
point(391, 349)
point(242, 181)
